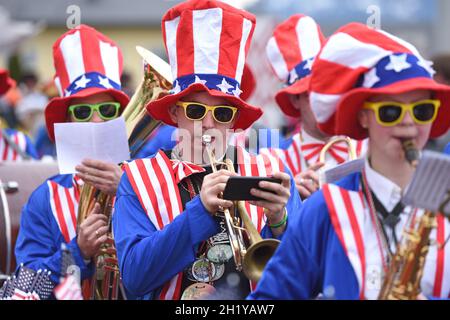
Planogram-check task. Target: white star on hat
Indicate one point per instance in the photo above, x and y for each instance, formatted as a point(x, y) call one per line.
point(104, 82)
point(398, 63)
point(176, 88)
point(427, 65)
point(198, 80)
point(224, 86)
point(370, 78)
point(237, 92)
point(293, 76)
point(308, 64)
point(82, 82)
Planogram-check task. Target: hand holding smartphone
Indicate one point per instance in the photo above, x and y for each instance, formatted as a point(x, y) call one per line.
point(238, 188)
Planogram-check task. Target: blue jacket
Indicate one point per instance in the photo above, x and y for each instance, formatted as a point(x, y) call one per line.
point(149, 258)
point(311, 260)
point(39, 241)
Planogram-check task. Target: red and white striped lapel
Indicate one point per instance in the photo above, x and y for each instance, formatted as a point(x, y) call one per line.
point(436, 275)
point(291, 156)
point(155, 184)
point(346, 210)
point(64, 206)
point(262, 165)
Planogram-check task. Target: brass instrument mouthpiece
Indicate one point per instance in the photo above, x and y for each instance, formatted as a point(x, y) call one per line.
point(206, 139)
point(411, 152)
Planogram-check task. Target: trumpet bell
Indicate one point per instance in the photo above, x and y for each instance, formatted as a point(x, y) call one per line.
point(257, 256)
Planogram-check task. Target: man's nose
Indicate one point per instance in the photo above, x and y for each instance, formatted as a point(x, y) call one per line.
point(407, 119)
point(208, 121)
point(96, 118)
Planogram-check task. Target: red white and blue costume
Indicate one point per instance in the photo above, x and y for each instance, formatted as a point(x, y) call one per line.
point(291, 52)
point(333, 247)
point(157, 235)
point(19, 139)
point(86, 62)
point(155, 238)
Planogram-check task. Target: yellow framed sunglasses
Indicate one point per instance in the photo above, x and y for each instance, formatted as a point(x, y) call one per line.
point(198, 111)
point(390, 113)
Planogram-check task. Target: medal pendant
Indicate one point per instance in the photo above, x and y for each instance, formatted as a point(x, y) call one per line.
point(203, 270)
point(198, 291)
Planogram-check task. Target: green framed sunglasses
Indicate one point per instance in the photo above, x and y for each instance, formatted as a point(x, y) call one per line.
point(84, 111)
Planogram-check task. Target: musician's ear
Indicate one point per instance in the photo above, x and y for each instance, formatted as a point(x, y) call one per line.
point(363, 118)
point(173, 113)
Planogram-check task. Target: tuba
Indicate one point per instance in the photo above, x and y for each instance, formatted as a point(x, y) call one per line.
point(351, 153)
point(402, 282)
point(105, 285)
point(250, 252)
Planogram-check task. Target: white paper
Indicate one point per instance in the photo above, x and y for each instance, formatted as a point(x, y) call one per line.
point(430, 185)
point(76, 141)
point(343, 170)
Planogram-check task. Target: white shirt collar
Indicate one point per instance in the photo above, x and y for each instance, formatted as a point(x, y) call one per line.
point(385, 190)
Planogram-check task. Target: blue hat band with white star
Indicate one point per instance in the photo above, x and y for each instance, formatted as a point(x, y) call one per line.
point(211, 81)
point(303, 69)
point(394, 68)
point(91, 80)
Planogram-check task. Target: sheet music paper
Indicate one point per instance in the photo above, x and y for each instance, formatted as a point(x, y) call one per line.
point(343, 170)
point(430, 185)
point(76, 141)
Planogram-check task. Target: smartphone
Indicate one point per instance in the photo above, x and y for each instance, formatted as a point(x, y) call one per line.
point(238, 188)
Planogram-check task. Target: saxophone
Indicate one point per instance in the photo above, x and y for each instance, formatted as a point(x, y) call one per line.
point(402, 282)
point(105, 285)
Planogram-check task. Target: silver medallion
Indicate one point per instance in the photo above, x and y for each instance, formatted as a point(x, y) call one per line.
point(198, 291)
point(203, 270)
point(220, 253)
point(220, 270)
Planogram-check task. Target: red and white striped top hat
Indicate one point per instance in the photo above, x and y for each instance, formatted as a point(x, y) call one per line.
point(207, 42)
point(291, 52)
point(358, 62)
point(5, 81)
point(86, 63)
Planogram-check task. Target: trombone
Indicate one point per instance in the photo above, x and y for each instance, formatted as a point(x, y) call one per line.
point(250, 256)
point(351, 153)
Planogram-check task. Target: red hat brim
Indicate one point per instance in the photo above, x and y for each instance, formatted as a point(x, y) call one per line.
point(56, 110)
point(346, 117)
point(247, 114)
point(282, 96)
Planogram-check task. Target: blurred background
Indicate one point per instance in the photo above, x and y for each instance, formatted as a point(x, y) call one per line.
point(29, 29)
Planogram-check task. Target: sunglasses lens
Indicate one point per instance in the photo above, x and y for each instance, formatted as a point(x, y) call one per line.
point(223, 114)
point(82, 112)
point(195, 111)
point(109, 110)
point(424, 111)
point(389, 113)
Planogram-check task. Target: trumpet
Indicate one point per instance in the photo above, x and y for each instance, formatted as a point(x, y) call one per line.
point(249, 256)
point(351, 153)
